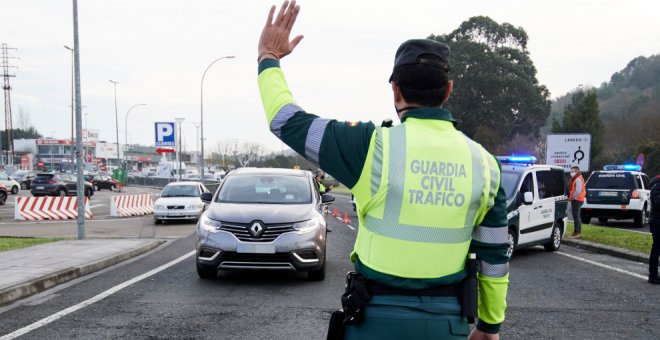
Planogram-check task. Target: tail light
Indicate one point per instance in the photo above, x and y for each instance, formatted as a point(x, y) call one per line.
point(51, 181)
point(635, 195)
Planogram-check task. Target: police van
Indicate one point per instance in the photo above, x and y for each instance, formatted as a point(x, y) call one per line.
point(536, 202)
point(619, 192)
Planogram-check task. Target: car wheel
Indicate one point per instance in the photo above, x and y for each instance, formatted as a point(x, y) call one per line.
point(89, 192)
point(512, 240)
point(14, 190)
point(3, 198)
point(602, 220)
point(555, 240)
point(640, 218)
point(96, 188)
point(206, 273)
point(586, 219)
point(157, 221)
point(61, 192)
point(23, 186)
point(317, 275)
point(112, 187)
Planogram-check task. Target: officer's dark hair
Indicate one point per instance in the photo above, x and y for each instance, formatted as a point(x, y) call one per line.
point(422, 83)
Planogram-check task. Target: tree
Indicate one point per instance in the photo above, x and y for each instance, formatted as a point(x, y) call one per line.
point(496, 94)
point(583, 116)
point(30, 133)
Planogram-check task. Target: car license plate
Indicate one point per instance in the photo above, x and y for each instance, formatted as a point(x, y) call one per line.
point(40, 188)
point(608, 194)
point(176, 214)
point(256, 248)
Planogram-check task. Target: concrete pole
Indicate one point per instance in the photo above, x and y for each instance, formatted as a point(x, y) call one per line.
point(80, 185)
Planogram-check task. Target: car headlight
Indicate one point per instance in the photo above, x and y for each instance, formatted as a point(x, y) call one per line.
point(195, 207)
point(306, 226)
point(159, 207)
point(209, 225)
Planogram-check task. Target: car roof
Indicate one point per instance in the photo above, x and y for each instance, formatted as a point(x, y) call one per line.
point(270, 171)
point(183, 183)
point(620, 171)
point(521, 168)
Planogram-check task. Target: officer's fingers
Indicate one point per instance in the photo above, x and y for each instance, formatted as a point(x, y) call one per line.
point(269, 21)
point(295, 41)
point(280, 14)
point(294, 15)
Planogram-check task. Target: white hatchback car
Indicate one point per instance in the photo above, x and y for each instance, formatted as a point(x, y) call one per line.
point(10, 183)
point(180, 201)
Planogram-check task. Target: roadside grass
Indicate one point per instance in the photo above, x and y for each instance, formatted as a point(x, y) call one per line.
point(9, 243)
point(615, 237)
point(340, 189)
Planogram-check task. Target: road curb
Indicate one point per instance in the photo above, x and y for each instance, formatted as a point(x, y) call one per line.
point(606, 249)
point(23, 290)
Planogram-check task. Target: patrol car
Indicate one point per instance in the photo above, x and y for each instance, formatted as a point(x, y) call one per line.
point(536, 202)
point(619, 192)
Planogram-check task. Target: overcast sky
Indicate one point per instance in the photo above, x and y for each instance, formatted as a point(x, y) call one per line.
point(158, 49)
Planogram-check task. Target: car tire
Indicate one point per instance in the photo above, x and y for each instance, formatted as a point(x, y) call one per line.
point(24, 186)
point(640, 218)
point(555, 239)
point(89, 193)
point(157, 221)
point(112, 187)
point(3, 198)
point(513, 242)
point(586, 219)
point(206, 273)
point(14, 190)
point(603, 220)
point(96, 188)
point(317, 275)
point(61, 192)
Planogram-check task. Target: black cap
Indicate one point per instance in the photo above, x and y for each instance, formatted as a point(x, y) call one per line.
point(415, 51)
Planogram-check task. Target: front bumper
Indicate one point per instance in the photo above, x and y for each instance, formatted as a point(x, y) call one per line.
point(178, 214)
point(289, 251)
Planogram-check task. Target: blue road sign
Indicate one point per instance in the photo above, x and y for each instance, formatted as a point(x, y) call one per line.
point(165, 134)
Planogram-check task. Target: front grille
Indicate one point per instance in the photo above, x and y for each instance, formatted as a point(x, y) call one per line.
point(270, 233)
point(176, 207)
point(260, 258)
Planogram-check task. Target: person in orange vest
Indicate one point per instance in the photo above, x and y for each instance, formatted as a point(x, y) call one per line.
point(576, 196)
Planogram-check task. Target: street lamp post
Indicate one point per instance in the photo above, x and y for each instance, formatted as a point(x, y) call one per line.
point(116, 121)
point(178, 155)
point(201, 113)
point(126, 136)
point(72, 101)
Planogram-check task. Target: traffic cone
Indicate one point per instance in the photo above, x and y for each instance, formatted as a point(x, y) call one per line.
point(346, 220)
point(335, 213)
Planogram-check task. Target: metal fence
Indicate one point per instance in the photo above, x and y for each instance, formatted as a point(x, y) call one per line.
point(159, 182)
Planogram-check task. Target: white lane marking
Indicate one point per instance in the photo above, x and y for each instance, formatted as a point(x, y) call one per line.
point(92, 300)
point(598, 264)
point(96, 206)
point(115, 219)
point(350, 227)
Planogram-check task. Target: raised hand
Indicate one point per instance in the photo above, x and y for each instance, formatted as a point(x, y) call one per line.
point(274, 41)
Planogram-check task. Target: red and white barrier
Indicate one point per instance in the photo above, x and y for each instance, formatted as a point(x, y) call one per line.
point(48, 208)
point(131, 205)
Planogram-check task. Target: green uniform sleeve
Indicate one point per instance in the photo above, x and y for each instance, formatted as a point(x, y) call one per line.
point(339, 148)
point(490, 243)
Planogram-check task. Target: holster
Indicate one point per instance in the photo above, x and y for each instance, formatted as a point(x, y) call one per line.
point(468, 294)
point(353, 300)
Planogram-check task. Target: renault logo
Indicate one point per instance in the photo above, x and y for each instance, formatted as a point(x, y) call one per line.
point(256, 229)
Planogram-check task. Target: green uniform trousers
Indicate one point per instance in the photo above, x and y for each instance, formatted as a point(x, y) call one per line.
point(410, 318)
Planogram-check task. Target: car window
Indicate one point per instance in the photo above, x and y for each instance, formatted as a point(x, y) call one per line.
point(43, 177)
point(611, 180)
point(4, 177)
point(647, 182)
point(509, 182)
point(266, 189)
point(551, 183)
point(638, 179)
point(527, 185)
point(181, 191)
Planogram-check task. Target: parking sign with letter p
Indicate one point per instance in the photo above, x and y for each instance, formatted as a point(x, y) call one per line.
point(165, 134)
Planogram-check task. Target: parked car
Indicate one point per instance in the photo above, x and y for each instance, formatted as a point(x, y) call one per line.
point(3, 194)
point(58, 185)
point(24, 178)
point(536, 203)
point(619, 192)
point(270, 219)
point(12, 185)
point(180, 201)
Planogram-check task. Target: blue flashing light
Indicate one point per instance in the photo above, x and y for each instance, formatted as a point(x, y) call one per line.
point(625, 167)
point(517, 159)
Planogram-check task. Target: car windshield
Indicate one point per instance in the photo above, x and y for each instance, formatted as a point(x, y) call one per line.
point(510, 181)
point(181, 191)
point(611, 180)
point(265, 189)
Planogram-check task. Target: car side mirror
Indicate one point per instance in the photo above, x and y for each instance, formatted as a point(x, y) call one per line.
point(327, 199)
point(207, 197)
point(157, 195)
point(528, 198)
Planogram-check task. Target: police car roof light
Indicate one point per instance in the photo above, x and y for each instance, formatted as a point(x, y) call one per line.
point(517, 159)
point(625, 167)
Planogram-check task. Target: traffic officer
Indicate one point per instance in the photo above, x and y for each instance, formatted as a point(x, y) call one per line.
point(654, 223)
point(320, 177)
point(576, 197)
point(427, 194)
